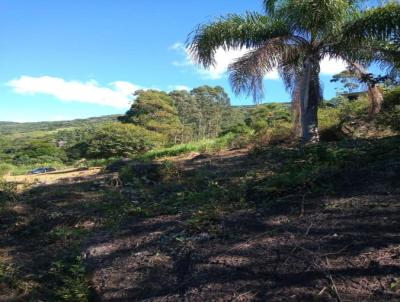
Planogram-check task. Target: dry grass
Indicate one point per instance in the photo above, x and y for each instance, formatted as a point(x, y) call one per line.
point(54, 177)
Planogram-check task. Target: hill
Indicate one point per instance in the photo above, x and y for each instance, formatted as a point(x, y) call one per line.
point(13, 128)
point(277, 224)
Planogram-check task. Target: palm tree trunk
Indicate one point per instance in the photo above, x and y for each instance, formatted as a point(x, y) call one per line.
point(376, 97)
point(310, 97)
point(296, 114)
point(374, 93)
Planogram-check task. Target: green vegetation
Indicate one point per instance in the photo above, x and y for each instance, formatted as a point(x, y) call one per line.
point(155, 111)
point(294, 36)
point(199, 197)
point(121, 140)
point(161, 125)
point(25, 146)
point(207, 145)
point(40, 128)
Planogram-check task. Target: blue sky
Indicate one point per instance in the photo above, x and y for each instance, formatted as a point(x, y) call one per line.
point(70, 59)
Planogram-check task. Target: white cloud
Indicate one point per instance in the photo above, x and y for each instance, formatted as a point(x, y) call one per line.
point(179, 87)
point(178, 46)
point(272, 75)
point(224, 58)
point(117, 94)
point(331, 66)
point(125, 88)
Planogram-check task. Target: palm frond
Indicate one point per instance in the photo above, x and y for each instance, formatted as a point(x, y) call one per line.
point(381, 23)
point(272, 6)
point(247, 73)
point(315, 18)
point(234, 31)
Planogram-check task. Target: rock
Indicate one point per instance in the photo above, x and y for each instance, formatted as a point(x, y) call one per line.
point(201, 237)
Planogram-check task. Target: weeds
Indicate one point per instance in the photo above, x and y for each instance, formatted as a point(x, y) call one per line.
point(316, 170)
point(198, 195)
point(70, 276)
point(207, 145)
point(8, 192)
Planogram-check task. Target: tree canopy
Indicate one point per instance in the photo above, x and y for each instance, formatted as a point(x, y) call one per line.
point(293, 36)
point(155, 111)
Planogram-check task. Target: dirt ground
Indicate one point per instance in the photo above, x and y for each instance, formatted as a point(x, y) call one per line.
point(63, 176)
point(342, 248)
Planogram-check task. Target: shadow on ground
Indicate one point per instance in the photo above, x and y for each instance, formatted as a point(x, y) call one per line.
point(344, 247)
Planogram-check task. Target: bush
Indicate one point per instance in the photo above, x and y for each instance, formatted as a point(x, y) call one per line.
point(390, 115)
point(5, 169)
point(38, 151)
point(350, 110)
point(273, 136)
point(391, 99)
point(329, 124)
point(122, 140)
point(269, 116)
point(206, 145)
point(8, 192)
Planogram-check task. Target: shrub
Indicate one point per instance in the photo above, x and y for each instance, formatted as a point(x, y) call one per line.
point(269, 116)
point(273, 136)
point(122, 140)
point(391, 99)
point(350, 110)
point(5, 169)
point(329, 123)
point(8, 192)
point(70, 274)
point(390, 115)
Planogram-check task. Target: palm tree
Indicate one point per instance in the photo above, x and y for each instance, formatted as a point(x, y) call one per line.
point(293, 36)
point(357, 73)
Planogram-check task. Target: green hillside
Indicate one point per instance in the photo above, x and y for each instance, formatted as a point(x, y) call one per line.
point(12, 128)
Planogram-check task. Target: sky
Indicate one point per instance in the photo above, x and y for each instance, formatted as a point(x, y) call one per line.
point(68, 59)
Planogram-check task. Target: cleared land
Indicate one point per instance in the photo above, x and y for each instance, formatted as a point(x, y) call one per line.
point(91, 238)
point(72, 175)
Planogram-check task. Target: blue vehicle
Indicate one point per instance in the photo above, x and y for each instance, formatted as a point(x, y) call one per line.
point(42, 170)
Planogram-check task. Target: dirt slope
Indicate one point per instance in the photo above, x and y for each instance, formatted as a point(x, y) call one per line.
point(68, 241)
point(344, 248)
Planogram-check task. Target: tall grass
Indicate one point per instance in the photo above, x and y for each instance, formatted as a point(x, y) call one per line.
point(9, 169)
point(206, 145)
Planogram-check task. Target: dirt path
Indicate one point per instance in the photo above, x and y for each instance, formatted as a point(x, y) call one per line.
point(62, 176)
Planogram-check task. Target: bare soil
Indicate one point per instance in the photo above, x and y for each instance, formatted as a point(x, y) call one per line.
point(343, 247)
point(62, 176)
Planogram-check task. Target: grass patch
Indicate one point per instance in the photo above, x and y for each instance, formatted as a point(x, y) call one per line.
point(69, 275)
point(207, 145)
point(319, 169)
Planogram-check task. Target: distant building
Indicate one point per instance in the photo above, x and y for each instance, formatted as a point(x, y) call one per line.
point(353, 96)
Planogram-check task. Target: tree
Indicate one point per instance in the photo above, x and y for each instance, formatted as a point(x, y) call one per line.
point(189, 113)
point(155, 111)
point(356, 76)
point(348, 79)
point(38, 151)
point(212, 102)
point(205, 110)
point(293, 37)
